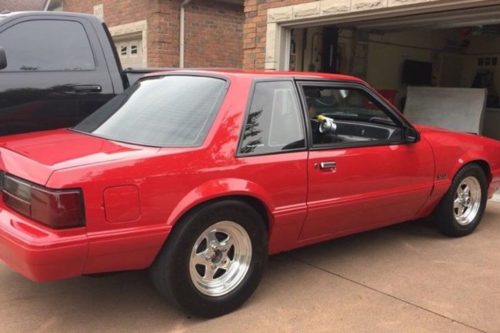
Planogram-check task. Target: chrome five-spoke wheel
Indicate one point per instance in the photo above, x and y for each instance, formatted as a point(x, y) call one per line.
point(467, 200)
point(213, 259)
point(220, 258)
point(461, 209)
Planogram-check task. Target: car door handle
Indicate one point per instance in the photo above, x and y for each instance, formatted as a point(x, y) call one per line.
point(327, 166)
point(87, 88)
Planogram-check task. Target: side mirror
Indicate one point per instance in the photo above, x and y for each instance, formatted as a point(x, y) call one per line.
point(3, 58)
point(411, 135)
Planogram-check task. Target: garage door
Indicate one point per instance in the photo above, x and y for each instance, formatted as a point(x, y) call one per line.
point(130, 52)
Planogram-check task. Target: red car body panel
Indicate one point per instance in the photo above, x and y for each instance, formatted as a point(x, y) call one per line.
point(135, 195)
point(385, 199)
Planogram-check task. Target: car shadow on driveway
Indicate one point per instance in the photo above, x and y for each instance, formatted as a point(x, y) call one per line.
point(346, 279)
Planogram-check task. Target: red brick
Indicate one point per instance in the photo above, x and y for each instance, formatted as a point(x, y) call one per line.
point(255, 28)
point(213, 37)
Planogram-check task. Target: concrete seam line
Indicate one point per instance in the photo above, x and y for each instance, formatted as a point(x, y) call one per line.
point(385, 294)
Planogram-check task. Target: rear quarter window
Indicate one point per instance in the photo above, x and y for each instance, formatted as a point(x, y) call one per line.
point(274, 122)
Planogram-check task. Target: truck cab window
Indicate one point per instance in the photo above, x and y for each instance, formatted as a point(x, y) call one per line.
point(42, 45)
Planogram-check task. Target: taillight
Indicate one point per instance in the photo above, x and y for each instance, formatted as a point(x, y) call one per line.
point(55, 208)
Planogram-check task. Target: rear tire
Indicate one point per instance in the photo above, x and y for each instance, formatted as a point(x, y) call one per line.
point(213, 260)
point(462, 208)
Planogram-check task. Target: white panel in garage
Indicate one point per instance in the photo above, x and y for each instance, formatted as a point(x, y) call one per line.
point(459, 109)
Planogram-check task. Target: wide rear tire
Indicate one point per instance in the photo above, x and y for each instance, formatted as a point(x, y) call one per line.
point(213, 260)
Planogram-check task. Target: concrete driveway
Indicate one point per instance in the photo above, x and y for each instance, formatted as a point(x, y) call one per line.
point(405, 278)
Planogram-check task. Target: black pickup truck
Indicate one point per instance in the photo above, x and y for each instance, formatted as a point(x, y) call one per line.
point(56, 69)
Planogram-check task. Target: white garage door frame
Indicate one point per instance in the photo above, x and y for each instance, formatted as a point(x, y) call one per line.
point(281, 20)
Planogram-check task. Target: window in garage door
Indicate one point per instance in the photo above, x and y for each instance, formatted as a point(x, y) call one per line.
point(130, 52)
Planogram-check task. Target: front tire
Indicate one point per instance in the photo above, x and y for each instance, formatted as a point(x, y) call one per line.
point(462, 208)
point(213, 260)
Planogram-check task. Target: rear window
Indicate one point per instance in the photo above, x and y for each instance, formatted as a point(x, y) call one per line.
point(168, 111)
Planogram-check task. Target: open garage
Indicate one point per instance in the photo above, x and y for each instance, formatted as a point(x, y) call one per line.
point(456, 49)
point(453, 47)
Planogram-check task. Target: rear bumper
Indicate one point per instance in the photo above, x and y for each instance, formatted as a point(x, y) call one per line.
point(39, 253)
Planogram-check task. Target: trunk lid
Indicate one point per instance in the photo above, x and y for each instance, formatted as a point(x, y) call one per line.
point(35, 156)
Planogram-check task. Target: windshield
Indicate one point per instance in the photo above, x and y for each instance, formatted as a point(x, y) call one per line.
point(168, 111)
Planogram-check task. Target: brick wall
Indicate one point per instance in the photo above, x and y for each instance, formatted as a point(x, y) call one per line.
point(163, 31)
point(213, 30)
point(254, 30)
point(214, 34)
point(119, 12)
point(115, 11)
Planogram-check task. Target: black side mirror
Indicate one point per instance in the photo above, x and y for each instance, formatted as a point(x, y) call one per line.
point(411, 135)
point(3, 58)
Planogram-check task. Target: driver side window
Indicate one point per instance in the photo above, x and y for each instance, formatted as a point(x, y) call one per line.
point(340, 116)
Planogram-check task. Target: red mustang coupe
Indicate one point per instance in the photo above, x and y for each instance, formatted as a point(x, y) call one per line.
point(199, 175)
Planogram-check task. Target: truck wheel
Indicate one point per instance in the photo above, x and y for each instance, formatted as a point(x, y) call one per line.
point(462, 208)
point(213, 260)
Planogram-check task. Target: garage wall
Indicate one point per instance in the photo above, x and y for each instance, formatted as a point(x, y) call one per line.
point(491, 123)
point(481, 47)
point(387, 52)
point(384, 54)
